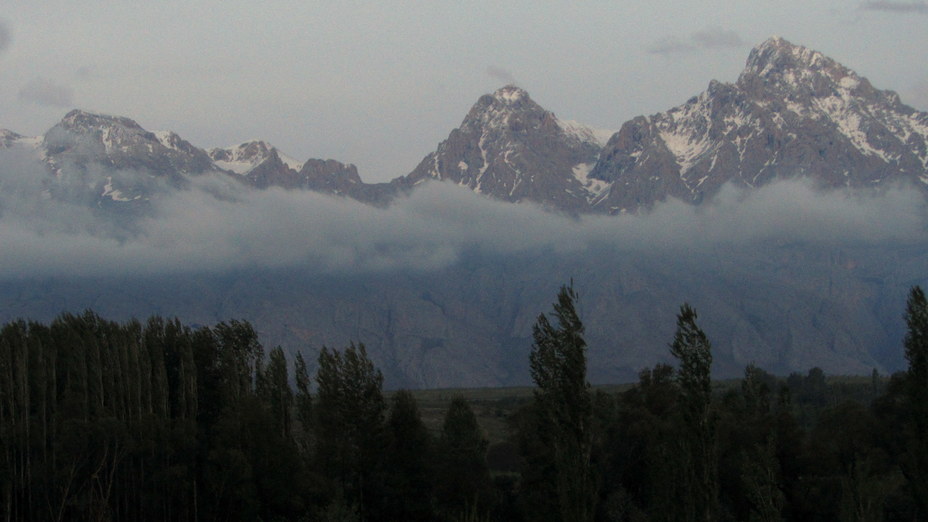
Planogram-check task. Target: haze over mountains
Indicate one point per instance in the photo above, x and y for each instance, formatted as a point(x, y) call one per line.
point(725, 195)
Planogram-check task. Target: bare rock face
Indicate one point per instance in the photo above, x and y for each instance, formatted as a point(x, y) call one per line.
point(112, 163)
point(792, 112)
point(83, 138)
point(330, 176)
point(510, 148)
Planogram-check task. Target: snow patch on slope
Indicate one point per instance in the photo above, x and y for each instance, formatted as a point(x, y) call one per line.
point(594, 186)
point(289, 161)
point(244, 157)
point(114, 194)
point(585, 133)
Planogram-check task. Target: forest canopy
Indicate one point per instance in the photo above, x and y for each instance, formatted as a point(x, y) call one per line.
point(163, 421)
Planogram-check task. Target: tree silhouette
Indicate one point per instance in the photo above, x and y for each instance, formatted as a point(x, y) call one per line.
point(558, 367)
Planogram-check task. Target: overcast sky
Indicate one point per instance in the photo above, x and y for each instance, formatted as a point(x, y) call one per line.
point(379, 84)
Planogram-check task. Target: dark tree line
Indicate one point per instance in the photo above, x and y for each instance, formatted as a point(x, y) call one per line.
point(161, 421)
point(674, 447)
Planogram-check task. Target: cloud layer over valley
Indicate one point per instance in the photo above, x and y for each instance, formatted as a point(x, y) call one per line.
point(216, 225)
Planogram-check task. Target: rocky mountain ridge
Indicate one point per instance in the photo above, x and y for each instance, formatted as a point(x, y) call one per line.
point(510, 148)
point(792, 112)
point(90, 148)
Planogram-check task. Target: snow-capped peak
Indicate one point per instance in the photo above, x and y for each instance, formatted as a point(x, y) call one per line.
point(510, 94)
point(776, 56)
point(79, 119)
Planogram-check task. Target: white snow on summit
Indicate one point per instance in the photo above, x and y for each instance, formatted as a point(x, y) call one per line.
point(509, 94)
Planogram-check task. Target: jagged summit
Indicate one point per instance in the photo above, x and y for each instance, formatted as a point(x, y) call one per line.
point(510, 148)
point(82, 138)
point(508, 104)
point(788, 69)
point(792, 113)
point(777, 50)
point(510, 94)
point(81, 119)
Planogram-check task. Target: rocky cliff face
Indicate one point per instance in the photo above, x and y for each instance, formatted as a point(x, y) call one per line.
point(83, 138)
point(510, 148)
point(112, 162)
point(792, 112)
point(470, 324)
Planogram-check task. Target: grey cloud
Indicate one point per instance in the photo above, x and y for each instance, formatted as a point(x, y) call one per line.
point(217, 226)
point(669, 45)
point(896, 7)
point(43, 91)
point(716, 37)
point(498, 73)
point(710, 38)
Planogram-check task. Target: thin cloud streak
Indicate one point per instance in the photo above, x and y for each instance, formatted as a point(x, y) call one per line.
point(716, 37)
point(896, 7)
point(706, 39)
point(498, 73)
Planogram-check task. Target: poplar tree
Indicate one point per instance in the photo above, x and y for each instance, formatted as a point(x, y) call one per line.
point(350, 411)
point(558, 368)
point(698, 459)
point(275, 391)
point(915, 462)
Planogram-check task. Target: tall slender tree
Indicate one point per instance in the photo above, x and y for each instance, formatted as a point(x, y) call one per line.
point(274, 389)
point(698, 453)
point(558, 367)
point(915, 462)
point(350, 413)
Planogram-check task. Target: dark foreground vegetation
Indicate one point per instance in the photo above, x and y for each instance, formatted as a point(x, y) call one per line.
point(160, 421)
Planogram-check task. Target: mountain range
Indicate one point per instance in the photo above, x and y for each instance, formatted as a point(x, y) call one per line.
point(793, 113)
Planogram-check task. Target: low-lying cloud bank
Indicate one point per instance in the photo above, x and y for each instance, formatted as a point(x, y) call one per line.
point(216, 226)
